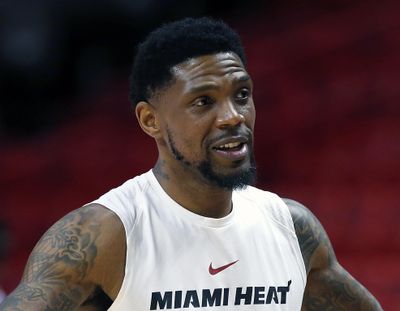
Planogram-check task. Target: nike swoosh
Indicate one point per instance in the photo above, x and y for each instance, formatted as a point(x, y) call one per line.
point(214, 271)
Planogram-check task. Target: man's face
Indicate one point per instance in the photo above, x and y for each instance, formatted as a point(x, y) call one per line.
point(207, 118)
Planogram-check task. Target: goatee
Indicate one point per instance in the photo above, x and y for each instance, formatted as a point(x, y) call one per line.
point(233, 181)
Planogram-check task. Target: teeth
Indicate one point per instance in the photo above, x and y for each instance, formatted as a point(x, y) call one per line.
point(229, 146)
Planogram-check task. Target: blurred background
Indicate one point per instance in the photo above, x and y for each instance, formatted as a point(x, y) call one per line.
point(327, 93)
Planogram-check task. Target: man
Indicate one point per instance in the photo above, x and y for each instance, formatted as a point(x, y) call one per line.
point(190, 233)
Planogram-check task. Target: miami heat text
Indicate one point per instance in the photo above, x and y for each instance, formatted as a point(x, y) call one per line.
point(251, 295)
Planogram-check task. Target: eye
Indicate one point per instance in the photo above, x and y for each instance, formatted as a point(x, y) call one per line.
point(243, 95)
point(203, 101)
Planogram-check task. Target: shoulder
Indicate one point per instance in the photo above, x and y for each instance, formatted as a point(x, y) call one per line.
point(88, 225)
point(267, 205)
point(302, 217)
point(90, 243)
point(314, 243)
point(77, 234)
point(89, 238)
point(126, 200)
point(103, 231)
point(80, 253)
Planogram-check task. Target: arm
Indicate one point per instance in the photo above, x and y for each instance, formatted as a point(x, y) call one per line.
point(65, 269)
point(329, 285)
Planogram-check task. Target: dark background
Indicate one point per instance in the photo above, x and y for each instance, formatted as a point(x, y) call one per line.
point(327, 95)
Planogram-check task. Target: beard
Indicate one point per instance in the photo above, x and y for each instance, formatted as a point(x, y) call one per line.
point(230, 181)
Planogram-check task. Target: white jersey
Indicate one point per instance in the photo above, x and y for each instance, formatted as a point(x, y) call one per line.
point(176, 259)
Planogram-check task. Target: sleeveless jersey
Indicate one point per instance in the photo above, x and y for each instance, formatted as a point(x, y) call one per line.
point(176, 259)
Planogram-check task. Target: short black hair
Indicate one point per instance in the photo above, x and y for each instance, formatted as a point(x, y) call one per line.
point(174, 43)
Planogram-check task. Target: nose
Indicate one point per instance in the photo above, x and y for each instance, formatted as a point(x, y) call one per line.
point(229, 116)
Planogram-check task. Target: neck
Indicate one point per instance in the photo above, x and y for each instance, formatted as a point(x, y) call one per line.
point(193, 193)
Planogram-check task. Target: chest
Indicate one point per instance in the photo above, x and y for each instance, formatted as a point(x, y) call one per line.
point(248, 264)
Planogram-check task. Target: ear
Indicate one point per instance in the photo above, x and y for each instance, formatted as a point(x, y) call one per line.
point(147, 118)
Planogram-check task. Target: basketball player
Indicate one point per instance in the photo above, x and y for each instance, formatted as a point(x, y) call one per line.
point(191, 233)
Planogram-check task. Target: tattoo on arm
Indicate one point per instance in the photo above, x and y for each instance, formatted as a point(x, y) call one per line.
point(310, 234)
point(329, 286)
point(54, 277)
point(335, 289)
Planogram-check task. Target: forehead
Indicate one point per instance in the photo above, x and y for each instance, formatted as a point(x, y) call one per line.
point(210, 70)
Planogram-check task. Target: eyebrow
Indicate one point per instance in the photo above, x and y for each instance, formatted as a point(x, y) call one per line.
point(243, 78)
point(209, 86)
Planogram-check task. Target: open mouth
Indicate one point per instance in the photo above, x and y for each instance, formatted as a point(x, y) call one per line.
point(233, 151)
point(236, 146)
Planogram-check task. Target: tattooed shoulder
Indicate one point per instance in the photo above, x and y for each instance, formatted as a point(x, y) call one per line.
point(71, 242)
point(56, 274)
point(313, 240)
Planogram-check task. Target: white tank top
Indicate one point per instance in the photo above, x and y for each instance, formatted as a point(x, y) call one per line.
point(175, 259)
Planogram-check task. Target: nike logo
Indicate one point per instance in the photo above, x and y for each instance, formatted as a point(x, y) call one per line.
point(214, 271)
